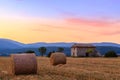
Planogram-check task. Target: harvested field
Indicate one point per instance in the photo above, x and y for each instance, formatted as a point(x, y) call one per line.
point(75, 69)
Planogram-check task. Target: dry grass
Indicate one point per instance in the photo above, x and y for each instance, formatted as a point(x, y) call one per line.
point(75, 69)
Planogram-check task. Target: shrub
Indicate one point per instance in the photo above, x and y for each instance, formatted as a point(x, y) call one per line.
point(110, 54)
point(60, 49)
point(29, 51)
point(49, 54)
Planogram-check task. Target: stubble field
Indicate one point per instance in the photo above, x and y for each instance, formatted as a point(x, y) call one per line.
point(75, 69)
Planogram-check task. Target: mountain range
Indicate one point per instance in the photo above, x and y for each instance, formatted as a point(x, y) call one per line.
point(8, 46)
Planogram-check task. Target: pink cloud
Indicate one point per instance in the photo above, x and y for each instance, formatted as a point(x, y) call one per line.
point(89, 22)
point(105, 32)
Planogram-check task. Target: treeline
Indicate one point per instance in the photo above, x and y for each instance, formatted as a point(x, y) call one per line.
point(43, 50)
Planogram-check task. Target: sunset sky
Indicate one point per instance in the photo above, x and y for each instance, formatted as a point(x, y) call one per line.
point(86, 21)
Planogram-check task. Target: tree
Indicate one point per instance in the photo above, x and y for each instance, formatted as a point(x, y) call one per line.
point(88, 52)
point(30, 51)
point(60, 49)
point(42, 50)
point(110, 54)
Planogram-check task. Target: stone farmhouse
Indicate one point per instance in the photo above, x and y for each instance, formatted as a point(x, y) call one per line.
point(84, 50)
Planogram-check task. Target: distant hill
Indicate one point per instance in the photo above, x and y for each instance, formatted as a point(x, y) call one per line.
point(9, 46)
point(106, 44)
point(60, 44)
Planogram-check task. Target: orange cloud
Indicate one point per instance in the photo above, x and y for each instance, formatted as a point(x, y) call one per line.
point(57, 30)
point(98, 27)
point(110, 33)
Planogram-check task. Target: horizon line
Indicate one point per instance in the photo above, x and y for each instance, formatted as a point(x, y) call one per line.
point(57, 42)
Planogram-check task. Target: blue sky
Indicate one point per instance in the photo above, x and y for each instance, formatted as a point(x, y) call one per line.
point(56, 8)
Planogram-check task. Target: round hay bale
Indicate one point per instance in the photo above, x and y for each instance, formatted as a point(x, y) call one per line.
point(24, 64)
point(57, 58)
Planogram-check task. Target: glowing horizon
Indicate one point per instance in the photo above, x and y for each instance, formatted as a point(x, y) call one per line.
point(29, 24)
